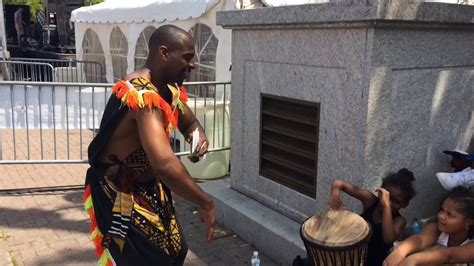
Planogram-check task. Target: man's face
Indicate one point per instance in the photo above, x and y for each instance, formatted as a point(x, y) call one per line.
point(180, 62)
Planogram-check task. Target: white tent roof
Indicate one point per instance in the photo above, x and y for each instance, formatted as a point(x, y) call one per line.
point(292, 2)
point(137, 11)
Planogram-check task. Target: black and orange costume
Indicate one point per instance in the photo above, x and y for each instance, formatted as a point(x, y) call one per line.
point(132, 213)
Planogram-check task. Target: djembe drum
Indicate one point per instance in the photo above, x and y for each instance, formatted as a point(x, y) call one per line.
point(337, 238)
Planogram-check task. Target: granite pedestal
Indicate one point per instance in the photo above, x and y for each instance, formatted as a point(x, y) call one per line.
point(394, 80)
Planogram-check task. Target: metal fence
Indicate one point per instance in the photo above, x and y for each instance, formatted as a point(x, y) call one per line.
point(26, 71)
point(69, 70)
point(45, 122)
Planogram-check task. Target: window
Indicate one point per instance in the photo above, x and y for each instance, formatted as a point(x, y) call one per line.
point(206, 47)
point(118, 52)
point(92, 51)
point(141, 50)
point(289, 142)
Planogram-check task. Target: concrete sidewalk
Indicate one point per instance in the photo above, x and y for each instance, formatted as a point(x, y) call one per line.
point(52, 228)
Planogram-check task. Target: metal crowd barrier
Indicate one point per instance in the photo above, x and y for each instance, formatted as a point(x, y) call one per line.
point(53, 123)
point(26, 71)
point(69, 70)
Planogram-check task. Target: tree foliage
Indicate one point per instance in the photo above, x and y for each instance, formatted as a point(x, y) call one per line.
point(35, 5)
point(92, 2)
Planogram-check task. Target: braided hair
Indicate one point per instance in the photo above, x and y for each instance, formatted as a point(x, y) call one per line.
point(403, 179)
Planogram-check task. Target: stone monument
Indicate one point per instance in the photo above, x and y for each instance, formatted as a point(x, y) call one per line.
point(349, 90)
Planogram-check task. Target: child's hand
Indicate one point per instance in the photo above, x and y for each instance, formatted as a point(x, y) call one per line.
point(336, 204)
point(393, 259)
point(407, 262)
point(410, 261)
point(384, 197)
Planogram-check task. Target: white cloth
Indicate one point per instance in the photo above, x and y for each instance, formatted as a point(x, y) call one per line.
point(444, 238)
point(443, 241)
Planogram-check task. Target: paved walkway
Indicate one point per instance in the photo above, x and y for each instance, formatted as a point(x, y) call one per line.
point(52, 228)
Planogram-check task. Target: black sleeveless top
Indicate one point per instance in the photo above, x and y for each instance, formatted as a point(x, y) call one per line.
point(377, 249)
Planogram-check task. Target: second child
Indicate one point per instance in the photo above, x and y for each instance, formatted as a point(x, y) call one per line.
point(381, 212)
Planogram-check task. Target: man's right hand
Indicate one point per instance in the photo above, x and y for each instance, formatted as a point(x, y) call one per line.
point(168, 167)
point(208, 216)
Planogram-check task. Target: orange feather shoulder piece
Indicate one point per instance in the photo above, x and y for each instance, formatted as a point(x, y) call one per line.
point(139, 94)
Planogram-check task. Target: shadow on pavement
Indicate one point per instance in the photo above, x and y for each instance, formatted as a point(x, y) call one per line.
point(52, 228)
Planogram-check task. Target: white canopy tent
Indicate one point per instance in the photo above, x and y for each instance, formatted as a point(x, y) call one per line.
point(115, 33)
point(118, 11)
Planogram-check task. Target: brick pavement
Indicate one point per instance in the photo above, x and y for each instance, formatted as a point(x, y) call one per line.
point(46, 144)
point(52, 228)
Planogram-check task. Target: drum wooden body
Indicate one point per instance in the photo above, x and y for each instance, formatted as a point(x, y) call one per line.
point(337, 238)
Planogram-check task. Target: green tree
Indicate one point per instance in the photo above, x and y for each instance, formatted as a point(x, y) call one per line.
point(92, 2)
point(35, 5)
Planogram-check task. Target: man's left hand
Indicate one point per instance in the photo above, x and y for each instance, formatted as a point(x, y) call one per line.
point(201, 148)
point(203, 143)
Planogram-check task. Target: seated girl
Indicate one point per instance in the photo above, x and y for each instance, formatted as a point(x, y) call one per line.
point(381, 212)
point(454, 230)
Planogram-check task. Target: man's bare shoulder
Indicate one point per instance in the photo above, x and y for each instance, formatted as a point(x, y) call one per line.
point(140, 73)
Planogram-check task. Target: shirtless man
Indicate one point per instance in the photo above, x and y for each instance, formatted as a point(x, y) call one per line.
point(133, 167)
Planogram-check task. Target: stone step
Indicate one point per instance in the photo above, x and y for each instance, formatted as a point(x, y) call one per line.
point(269, 231)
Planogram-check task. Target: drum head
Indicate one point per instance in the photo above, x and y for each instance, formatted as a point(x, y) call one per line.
point(336, 229)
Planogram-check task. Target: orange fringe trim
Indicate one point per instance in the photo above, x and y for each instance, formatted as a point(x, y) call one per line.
point(105, 258)
point(149, 99)
point(183, 95)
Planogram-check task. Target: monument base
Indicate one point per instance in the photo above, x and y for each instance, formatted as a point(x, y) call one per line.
point(269, 231)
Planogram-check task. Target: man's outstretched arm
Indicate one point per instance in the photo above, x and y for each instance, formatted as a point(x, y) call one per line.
point(168, 167)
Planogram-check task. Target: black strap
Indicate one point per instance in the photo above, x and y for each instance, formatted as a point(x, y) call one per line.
point(113, 114)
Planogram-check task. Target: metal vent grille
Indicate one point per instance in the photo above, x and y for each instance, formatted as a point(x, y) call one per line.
point(289, 142)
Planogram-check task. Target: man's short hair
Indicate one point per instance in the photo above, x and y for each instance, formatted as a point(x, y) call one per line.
point(167, 35)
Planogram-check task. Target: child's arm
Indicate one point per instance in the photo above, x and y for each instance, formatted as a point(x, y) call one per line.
point(365, 196)
point(415, 243)
point(391, 228)
point(451, 255)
